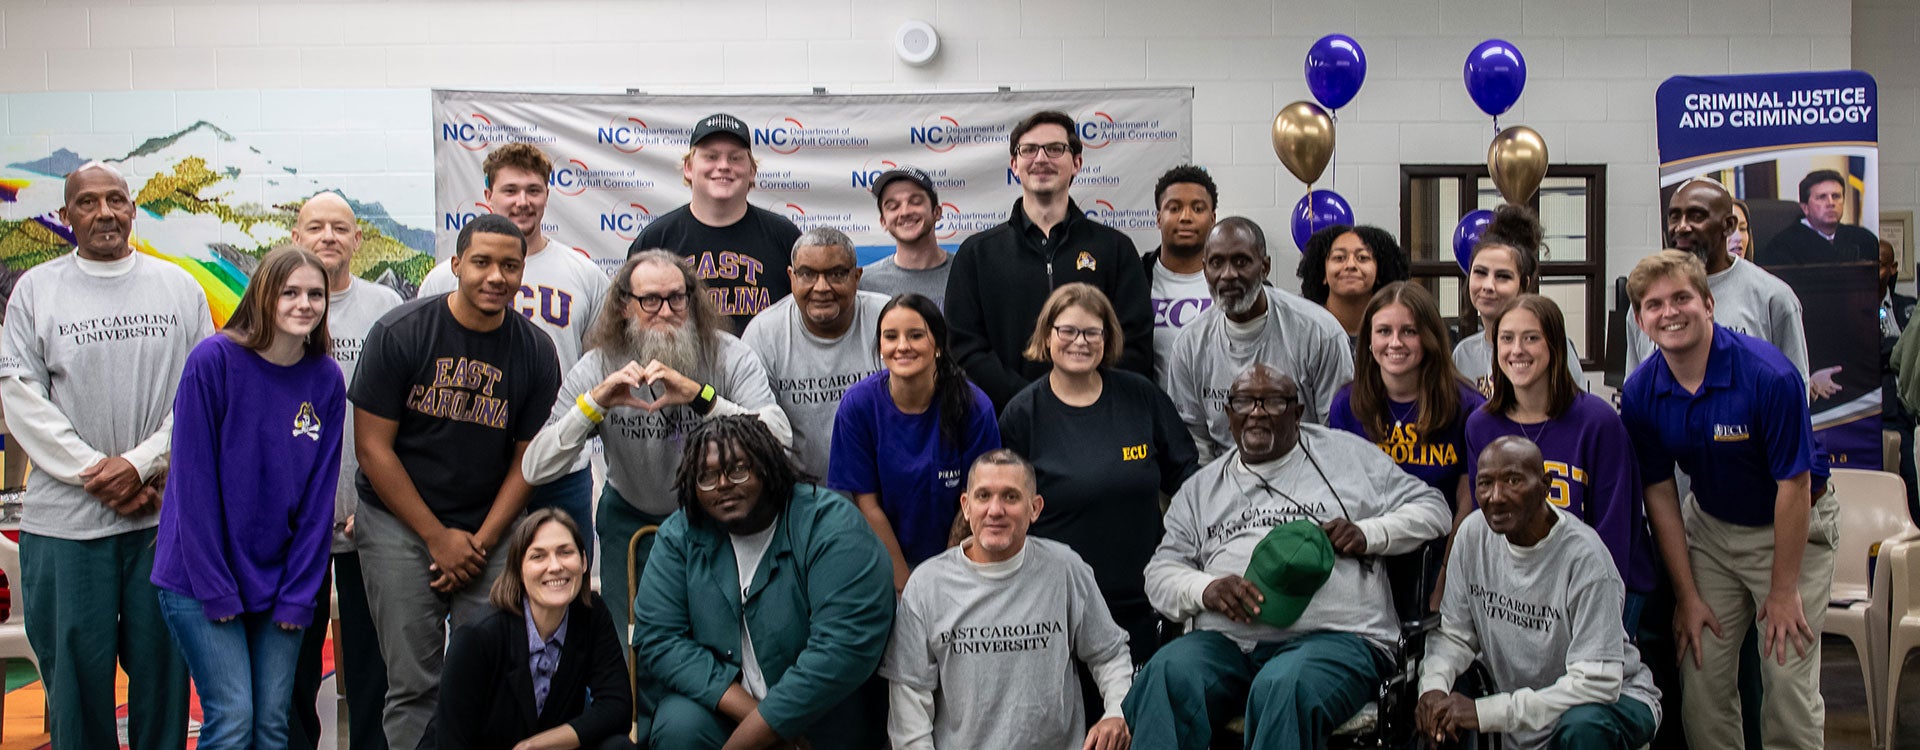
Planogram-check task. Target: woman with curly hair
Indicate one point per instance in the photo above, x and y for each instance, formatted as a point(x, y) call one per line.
point(1505, 264)
point(1343, 266)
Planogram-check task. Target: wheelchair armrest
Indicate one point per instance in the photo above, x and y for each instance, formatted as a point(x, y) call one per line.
point(1419, 626)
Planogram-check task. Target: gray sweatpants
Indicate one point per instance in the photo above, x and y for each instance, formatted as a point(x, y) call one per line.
point(411, 617)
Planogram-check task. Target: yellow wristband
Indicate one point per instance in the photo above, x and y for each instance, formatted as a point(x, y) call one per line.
point(586, 407)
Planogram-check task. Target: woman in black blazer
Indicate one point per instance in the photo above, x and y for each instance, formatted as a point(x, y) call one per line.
point(487, 687)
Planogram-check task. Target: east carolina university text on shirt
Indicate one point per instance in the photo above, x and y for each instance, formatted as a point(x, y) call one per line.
point(462, 391)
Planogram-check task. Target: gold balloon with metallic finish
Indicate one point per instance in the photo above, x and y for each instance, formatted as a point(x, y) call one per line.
point(1303, 138)
point(1517, 161)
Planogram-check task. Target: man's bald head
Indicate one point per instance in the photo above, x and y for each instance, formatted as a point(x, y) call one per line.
point(1511, 486)
point(93, 170)
point(326, 225)
point(1699, 219)
point(1242, 229)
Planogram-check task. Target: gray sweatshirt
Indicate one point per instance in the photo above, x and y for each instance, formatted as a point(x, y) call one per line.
point(1222, 513)
point(350, 314)
point(1544, 619)
point(89, 363)
point(642, 447)
point(1296, 337)
point(809, 374)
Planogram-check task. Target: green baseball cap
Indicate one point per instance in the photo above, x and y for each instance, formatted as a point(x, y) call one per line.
point(1289, 566)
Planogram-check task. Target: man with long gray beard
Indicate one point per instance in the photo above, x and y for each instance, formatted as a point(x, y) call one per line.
point(659, 314)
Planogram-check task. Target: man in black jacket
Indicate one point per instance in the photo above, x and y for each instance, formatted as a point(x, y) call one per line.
point(1002, 276)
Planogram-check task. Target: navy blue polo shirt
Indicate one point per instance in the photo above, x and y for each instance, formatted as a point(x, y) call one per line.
point(1746, 429)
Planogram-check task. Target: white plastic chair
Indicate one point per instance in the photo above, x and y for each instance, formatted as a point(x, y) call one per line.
point(1902, 563)
point(1873, 518)
point(13, 632)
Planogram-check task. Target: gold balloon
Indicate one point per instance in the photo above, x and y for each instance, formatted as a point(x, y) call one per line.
point(1303, 138)
point(1517, 160)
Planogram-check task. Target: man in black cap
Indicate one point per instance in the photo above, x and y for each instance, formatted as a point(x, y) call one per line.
point(741, 251)
point(909, 209)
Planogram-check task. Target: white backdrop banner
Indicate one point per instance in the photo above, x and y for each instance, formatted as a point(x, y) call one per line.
point(617, 157)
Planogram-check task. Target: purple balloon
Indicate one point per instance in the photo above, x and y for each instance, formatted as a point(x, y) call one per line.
point(1495, 75)
point(1316, 211)
point(1335, 67)
point(1466, 234)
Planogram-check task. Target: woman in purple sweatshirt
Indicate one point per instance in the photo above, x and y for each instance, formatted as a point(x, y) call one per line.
point(1590, 465)
point(246, 521)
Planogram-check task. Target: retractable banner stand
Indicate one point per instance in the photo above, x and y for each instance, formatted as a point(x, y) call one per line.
point(1760, 135)
point(617, 157)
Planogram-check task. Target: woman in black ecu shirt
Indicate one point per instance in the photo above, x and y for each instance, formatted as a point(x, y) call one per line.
point(1105, 443)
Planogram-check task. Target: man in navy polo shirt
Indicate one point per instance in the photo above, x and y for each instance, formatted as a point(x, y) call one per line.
point(1756, 537)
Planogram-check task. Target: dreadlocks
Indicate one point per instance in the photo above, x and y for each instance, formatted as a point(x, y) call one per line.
point(739, 438)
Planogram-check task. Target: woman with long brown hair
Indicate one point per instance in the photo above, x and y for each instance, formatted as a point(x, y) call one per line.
point(1590, 464)
point(247, 519)
point(1406, 396)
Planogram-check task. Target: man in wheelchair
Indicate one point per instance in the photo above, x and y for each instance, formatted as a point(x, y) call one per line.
point(1304, 512)
point(1533, 594)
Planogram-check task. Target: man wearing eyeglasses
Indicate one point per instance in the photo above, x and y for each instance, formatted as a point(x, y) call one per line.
point(659, 362)
point(818, 342)
point(1002, 276)
point(738, 250)
point(1295, 659)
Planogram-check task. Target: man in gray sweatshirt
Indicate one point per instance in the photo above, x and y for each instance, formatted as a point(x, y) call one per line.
point(1536, 598)
point(1294, 682)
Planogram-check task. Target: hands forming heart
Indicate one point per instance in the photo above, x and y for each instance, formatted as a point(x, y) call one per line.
point(651, 388)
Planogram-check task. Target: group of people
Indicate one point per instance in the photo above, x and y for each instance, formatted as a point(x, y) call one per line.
point(924, 501)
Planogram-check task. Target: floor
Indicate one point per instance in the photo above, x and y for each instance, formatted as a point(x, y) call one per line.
point(1839, 680)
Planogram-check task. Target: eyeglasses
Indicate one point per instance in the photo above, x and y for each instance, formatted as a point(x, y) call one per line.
point(1089, 335)
point(709, 480)
point(1029, 150)
point(807, 276)
point(651, 303)
point(1243, 405)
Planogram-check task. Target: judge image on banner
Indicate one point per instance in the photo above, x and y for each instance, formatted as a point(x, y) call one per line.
point(1819, 237)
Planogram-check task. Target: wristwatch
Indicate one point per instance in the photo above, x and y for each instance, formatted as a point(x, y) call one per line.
point(703, 403)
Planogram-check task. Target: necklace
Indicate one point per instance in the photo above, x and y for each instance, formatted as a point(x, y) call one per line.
point(1400, 417)
point(1534, 434)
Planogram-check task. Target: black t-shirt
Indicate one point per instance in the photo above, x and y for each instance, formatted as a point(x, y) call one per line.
point(463, 399)
point(1101, 470)
point(744, 264)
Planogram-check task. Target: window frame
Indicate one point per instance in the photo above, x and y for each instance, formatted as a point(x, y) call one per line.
point(1593, 268)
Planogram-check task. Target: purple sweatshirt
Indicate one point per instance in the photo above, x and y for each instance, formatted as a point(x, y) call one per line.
point(246, 522)
point(1592, 475)
point(1435, 458)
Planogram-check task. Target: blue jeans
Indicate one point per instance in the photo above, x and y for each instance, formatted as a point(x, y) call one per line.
point(243, 668)
point(573, 495)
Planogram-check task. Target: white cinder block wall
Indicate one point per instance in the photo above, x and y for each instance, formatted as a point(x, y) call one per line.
point(1594, 65)
point(1886, 43)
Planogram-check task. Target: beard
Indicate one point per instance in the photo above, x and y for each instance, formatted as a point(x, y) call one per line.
point(1240, 305)
point(678, 348)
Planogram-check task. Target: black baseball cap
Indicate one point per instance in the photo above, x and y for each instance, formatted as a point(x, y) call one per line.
point(721, 123)
point(905, 172)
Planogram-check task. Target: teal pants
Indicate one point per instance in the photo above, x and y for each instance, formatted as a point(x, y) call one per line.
point(1622, 725)
point(1293, 693)
point(76, 592)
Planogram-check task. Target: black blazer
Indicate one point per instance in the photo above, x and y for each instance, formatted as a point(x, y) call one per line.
point(486, 689)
